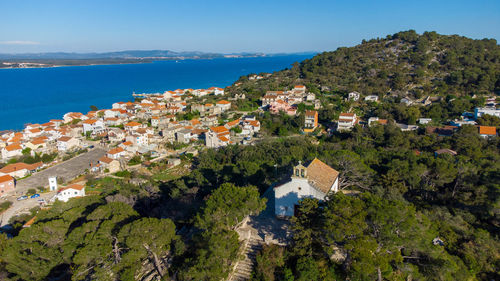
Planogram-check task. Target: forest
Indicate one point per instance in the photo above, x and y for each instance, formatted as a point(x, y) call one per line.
point(405, 63)
point(183, 229)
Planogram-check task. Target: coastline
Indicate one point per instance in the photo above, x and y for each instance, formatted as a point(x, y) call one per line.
point(127, 61)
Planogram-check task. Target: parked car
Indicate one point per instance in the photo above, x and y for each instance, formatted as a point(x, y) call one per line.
point(35, 196)
point(22, 198)
point(91, 146)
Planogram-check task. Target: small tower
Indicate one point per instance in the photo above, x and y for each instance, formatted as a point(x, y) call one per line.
point(299, 171)
point(53, 183)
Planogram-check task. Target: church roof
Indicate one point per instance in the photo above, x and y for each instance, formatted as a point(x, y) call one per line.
point(320, 175)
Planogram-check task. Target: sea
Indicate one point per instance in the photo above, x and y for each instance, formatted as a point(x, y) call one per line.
point(36, 95)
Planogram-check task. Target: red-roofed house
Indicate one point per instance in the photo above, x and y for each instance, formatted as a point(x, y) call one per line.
point(346, 121)
point(487, 131)
point(310, 120)
point(11, 151)
point(116, 153)
point(7, 183)
point(224, 105)
point(66, 143)
point(217, 137)
point(70, 191)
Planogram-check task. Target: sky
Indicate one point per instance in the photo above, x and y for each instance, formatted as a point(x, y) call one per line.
point(231, 26)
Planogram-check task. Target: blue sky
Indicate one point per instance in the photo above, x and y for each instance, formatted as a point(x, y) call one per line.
point(230, 26)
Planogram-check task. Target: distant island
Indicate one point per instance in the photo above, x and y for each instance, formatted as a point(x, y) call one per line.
point(31, 60)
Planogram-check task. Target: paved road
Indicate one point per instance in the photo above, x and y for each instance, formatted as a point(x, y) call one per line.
point(66, 170)
point(21, 207)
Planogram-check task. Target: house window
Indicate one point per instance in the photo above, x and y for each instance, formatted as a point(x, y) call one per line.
point(302, 172)
point(297, 172)
point(300, 188)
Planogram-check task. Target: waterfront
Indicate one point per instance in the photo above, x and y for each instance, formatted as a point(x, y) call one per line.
point(36, 95)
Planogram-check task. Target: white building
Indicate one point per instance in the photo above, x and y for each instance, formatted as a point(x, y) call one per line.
point(354, 96)
point(424, 121)
point(53, 183)
point(70, 191)
point(66, 143)
point(478, 112)
point(217, 137)
point(314, 181)
point(224, 105)
point(346, 121)
point(372, 98)
point(94, 126)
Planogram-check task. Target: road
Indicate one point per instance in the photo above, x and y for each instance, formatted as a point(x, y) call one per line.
point(67, 170)
point(21, 207)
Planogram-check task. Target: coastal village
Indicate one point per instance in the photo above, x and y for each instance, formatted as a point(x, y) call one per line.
point(165, 126)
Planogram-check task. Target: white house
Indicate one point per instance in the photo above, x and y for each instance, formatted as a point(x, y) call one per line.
point(217, 91)
point(354, 96)
point(346, 121)
point(372, 98)
point(70, 191)
point(12, 150)
point(116, 153)
point(224, 105)
point(65, 143)
point(94, 126)
point(478, 112)
point(315, 180)
point(424, 120)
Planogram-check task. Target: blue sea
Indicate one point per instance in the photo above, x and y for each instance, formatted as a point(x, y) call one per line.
point(36, 95)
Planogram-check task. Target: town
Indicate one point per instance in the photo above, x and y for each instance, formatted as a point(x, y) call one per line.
point(164, 127)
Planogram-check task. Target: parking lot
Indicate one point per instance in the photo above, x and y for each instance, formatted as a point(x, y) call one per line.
point(67, 170)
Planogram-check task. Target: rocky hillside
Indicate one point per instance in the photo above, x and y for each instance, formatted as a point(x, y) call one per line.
point(403, 63)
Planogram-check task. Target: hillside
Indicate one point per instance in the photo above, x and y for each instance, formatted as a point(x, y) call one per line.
point(400, 64)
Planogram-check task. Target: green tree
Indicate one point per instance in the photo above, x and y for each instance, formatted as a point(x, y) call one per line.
point(147, 239)
point(228, 206)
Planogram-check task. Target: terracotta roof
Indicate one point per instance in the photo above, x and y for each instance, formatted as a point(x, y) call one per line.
point(105, 159)
point(311, 113)
point(20, 166)
point(321, 176)
point(233, 123)
point(219, 129)
point(223, 102)
point(254, 123)
point(64, 138)
point(116, 150)
point(127, 143)
point(89, 121)
point(132, 124)
point(487, 130)
point(223, 138)
point(6, 178)
point(72, 186)
point(300, 86)
point(347, 114)
point(13, 147)
point(37, 141)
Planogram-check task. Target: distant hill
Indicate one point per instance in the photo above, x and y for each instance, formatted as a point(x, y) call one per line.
point(131, 54)
point(405, 63)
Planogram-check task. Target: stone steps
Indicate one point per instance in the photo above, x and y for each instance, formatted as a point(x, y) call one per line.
point(243, 270)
